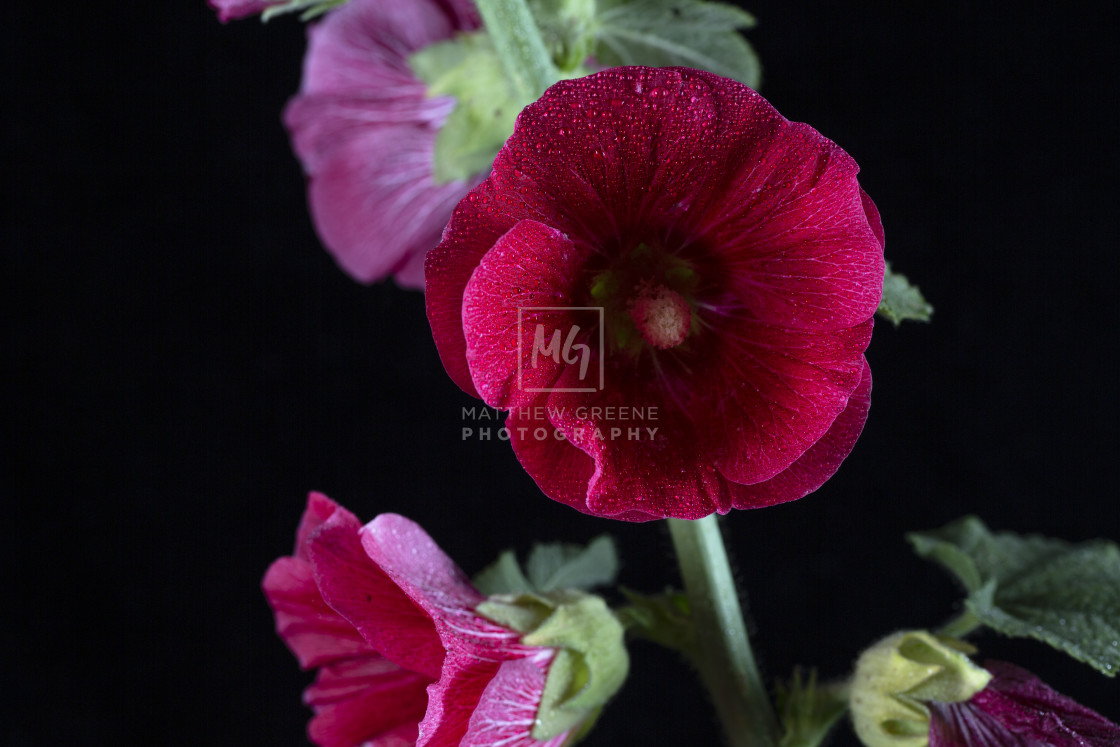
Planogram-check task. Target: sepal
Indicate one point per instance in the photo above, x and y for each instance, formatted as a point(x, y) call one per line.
point(895, 676)
point(590, 664)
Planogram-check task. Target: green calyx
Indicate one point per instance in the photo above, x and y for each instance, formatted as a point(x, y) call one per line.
point(568, 30)
point(898, 675)
point(591, 660)
point(468, 68)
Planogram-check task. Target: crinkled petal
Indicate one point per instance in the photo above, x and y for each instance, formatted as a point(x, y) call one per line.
point(644, 469)
point(1017, 709)
point(314, 632)
point(525, 283)
point(561, 470)
point(1027, 706)
point(361, 592)
point(435, 584)
point(819, 462)
point(767, 394)
point(873, 219)
point(965, 725)
point(366, 701)
point(507, 710)
point(453, 699)
point(319, 509)
point(793, 234)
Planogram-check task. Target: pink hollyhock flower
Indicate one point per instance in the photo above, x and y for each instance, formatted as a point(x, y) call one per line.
point(365, 131)
point(403, 658)
point(1017, 709)
point(737, 265)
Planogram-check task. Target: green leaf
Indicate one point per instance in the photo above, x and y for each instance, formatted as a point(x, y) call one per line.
point(902, 301)
point(486, 107)
point(661, 618)
point(807, 710)
point(668, 33)
point(1066, 595)
point(561, 566)
point(503, 576)
point(552, 567)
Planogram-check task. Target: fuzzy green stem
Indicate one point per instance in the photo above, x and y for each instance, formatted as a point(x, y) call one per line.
point(518, 43)
point(724, 655)
point(961, 625)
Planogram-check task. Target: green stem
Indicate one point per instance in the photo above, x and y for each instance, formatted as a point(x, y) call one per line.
point(518, 43)
point(724, 655)
point(960, 626)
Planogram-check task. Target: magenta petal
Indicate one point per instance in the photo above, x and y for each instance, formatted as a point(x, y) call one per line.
point(771, 393)
point(362, 593)
point(819, 462)
point(473, 230)
point(643, 469)
point(507, 710)
point(229, 10)
point(795, 237)
point(314, 632)
point(530, 268)
point(435, 584)
point(1026, 705)
point(366, 701)
point(965, 725)
point(561, 470)
point(319, 509)
point(873, 219)
point(418, 566)
point(453, 699)
point(1017, 709)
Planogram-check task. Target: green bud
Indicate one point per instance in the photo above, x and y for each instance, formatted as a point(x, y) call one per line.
point(591, 661)
point(895, 677)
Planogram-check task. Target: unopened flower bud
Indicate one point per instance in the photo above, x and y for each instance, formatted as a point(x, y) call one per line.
point(898, 675)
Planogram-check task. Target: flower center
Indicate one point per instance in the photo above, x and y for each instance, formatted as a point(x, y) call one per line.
point(662, 316)
point(647, 296)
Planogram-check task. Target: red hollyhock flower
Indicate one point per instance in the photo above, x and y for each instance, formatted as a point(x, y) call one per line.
point(389, 621)
point(1017, 709)
point(737, 264)
point(365, 131)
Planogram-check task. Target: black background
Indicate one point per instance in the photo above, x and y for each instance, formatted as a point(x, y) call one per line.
point(182, 362)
